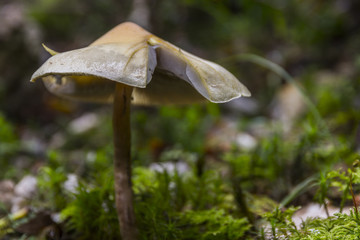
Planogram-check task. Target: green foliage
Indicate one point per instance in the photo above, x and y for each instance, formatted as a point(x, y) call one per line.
point(51, 190)
point(337, 180)
point(324, 185)
point(281, 224)
point(340, 226)
point(160, 202)
point(187, 126)
point(9, 146)
point(216, 225)
point(183, 128)
point(91, 212)
point(9, 142)
point(161, 198)
point(275, 160)
point(7, 133)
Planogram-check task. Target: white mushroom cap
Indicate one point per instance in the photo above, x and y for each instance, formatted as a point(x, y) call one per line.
point(160, 72)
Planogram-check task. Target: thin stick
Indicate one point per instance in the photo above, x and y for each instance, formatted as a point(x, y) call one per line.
point(326, 208)
point(122, 162)
point(353, 196)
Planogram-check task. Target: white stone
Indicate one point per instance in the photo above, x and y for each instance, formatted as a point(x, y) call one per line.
point(170, 167)
point(27, 187)
point(84, 123)
point(246, 141)
point(72, 183)
point(315, 210)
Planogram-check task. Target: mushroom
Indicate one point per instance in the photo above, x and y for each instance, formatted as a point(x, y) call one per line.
point(130, 65)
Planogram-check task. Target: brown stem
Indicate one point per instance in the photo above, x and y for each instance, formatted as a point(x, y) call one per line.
point(326, 208)
point(122, 162)
point(353, 196)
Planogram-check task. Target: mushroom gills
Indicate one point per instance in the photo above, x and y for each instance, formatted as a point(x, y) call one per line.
point(166, 88)
point(82, 87)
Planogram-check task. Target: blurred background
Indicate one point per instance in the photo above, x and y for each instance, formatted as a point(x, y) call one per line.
point(300, 36)
point(267, 144)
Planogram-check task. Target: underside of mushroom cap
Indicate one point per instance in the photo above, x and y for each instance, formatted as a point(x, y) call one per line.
point(160, 72)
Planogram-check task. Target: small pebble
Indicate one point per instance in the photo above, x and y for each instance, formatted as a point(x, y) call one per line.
point(26, 188)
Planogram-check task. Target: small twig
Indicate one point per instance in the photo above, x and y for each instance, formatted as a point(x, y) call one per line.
point(326, 208)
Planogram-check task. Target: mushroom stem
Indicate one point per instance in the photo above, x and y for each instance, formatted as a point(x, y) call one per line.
point(122, 162)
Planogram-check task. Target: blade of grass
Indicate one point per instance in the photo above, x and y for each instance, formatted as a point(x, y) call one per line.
point(302, 187)
point(287, 77)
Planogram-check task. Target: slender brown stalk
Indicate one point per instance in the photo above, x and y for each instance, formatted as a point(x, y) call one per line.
point(326, 208)
point(353, 195)
point(122, 162)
